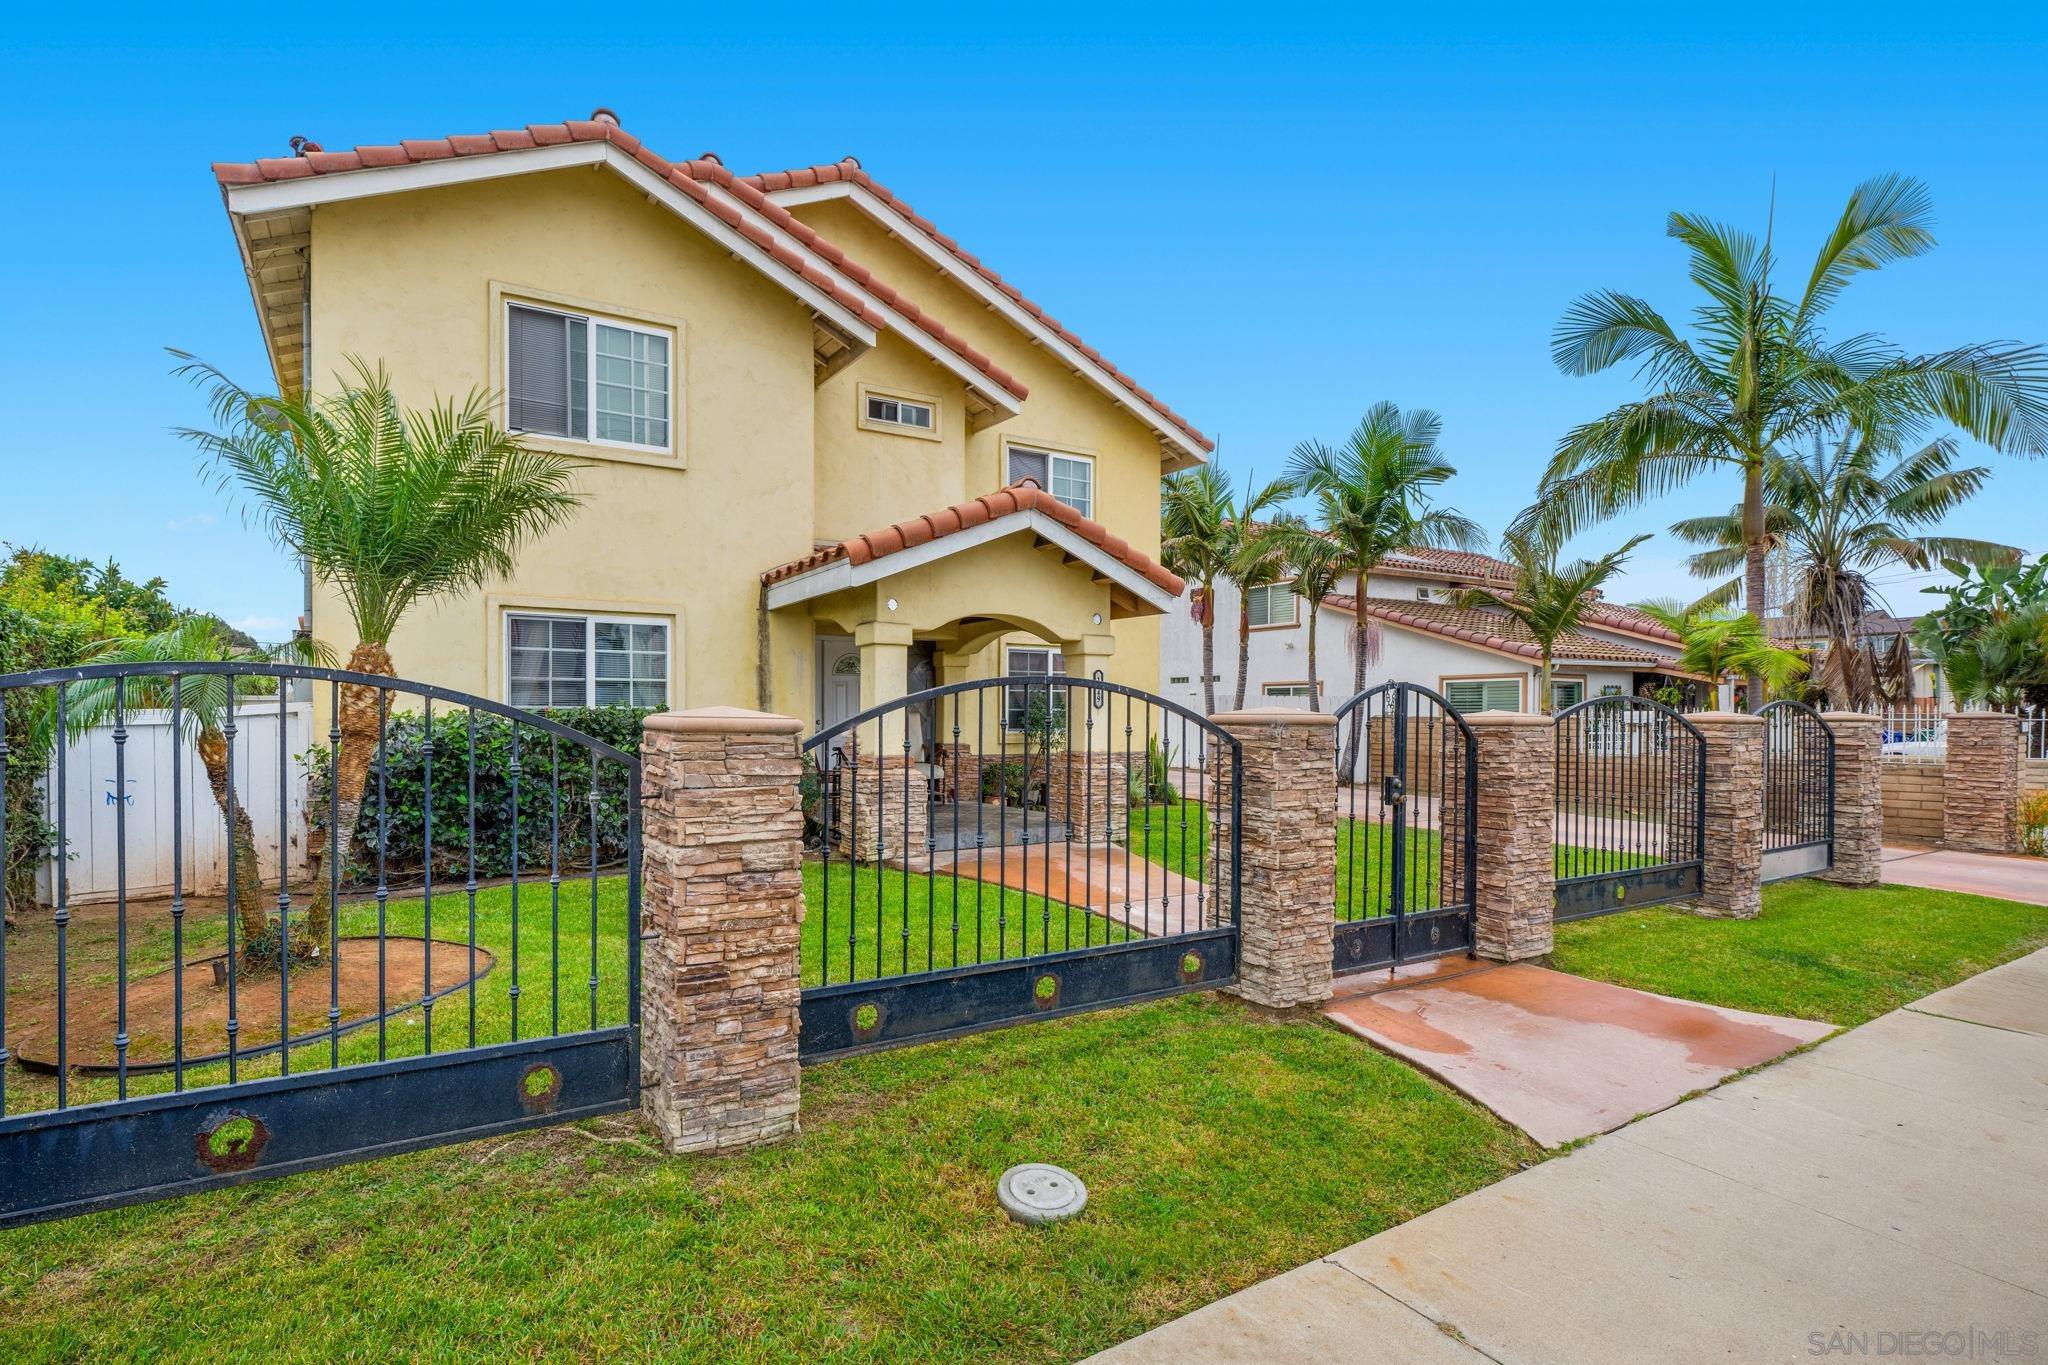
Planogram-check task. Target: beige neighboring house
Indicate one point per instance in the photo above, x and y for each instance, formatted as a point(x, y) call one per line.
point(1477, 658)
point(830, 455)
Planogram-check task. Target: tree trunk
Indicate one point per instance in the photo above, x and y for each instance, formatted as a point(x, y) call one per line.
point(1358, 646)
point(1244, 646)
point(1209, 649)
point(1315, 701)
point(246, 882)
point(1753, 550)
point(1544, 701)
point(351, 768)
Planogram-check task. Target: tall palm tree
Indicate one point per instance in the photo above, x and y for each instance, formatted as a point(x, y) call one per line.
point(1316, 564)
point(1197, 520)
point(1717, 641)
point(1372, 497)
point(1760, 374)
point(390, 506)
point(1258, 559)
point(1842, 512)
point(1549, 598)
point(206, 702)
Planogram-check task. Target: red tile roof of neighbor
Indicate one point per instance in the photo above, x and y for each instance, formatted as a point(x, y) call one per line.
point(849, 171)
point(1428, 563)
point(690, 177)
point(1023, 496)
point(1493, 630)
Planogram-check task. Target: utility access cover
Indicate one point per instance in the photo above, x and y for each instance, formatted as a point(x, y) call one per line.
point(1036, 1193)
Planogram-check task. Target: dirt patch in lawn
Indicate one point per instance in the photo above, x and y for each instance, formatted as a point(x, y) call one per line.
point(92, 1011)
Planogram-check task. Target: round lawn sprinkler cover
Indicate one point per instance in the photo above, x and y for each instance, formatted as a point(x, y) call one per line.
point(1036, 1193)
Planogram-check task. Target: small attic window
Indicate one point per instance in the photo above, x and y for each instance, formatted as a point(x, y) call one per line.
point(899, 413)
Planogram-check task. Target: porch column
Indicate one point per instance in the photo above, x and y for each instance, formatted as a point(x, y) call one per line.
point(1981, 801)
point(1090, 789)
point(882, 805)
point(1858, 798)
point(1732, 878)
point(954, 719)
point(884, 676)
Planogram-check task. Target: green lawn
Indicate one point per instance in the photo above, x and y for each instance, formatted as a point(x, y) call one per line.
point(1219, 1147)
point(1816, 952)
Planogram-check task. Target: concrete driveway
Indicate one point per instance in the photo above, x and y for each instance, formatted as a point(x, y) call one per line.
point(1884, 1194)
point(1983, 874)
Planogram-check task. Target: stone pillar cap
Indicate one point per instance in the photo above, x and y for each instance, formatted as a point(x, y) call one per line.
point(1272, 715)
point(1851, 717)
point(1490, 718)
point(722, 720)
point(2004, 717)
point(1725, 718)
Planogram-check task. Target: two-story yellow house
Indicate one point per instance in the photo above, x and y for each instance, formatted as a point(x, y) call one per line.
point(799, 405)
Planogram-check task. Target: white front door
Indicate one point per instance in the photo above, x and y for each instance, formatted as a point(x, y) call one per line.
point(838, 680)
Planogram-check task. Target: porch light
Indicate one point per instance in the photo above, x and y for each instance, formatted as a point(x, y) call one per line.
point(1096, 618)
point(891, 604)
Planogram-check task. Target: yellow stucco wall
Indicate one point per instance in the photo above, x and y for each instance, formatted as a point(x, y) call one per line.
point(408, 279)
point(869, 478)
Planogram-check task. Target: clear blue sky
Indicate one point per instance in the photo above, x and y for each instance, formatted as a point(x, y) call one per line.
point(1271, 225)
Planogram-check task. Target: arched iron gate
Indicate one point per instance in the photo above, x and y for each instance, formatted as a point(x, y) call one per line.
point(163, 1044)
point(1799, 791)
point(1631, 806)
point(990, 852)
point(1407, 828)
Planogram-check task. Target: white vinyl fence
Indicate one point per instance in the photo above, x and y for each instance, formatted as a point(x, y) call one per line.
point(93, 805)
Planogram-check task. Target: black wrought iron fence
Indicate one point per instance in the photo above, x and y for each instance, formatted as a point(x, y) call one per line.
point(1002, 849)
point(1799, 791)
point(1631, 805)
point(227, 1005)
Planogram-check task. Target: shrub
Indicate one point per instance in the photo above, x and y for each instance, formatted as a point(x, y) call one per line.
point(1151, 784)
point(1004, 781)
point(399, 782)
point(2034, 823)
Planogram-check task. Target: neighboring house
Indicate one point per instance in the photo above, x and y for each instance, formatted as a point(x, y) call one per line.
point(831, 456)
point(1881, 633)
point(1477, 658)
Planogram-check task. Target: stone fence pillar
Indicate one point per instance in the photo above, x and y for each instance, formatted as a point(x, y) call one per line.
point(1858, 798)
point(723, 902)
point(1288, 904)
point(1517, 797)
point(1981, 801)
point(1732, 881)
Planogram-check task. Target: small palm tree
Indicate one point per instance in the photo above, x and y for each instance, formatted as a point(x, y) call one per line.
point(1316, 564)
point(1759, 375)
point(1842, 513)
point(206, 702)
point(1549, 599)
point(1258, 559)
point(1372, 497)
point(392, 507)
point(1197, 517)
point(1719, 641)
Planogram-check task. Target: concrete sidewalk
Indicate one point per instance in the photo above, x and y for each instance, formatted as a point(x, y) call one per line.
point(1983, 874)
point(1892, 1180)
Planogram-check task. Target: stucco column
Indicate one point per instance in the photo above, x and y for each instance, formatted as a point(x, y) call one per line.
point(954, 742)
point(1732, 875)
point(723, 902)
point(1515, 890)
point(1981, 788)
point(1858, 798)
point(884, 676)
point(1088, 788)
point(1288, 805)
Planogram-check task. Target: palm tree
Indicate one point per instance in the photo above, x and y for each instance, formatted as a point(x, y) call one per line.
point(1258, 559)
point(1197, 516)
point(1372, 498)
point(392, 507)
point(1760, 374)
point(1716, 641)
point(1842, 513)
point(1316, 564)
point(206, 702)
point(1548, 599)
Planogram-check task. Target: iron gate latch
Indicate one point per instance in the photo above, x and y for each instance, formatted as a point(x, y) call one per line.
point(1392, 790)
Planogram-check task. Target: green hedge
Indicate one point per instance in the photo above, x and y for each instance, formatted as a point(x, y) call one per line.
point(403, 786)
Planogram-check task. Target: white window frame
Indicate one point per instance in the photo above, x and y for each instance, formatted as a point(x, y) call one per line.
point(867, 394)
point(1053, 458)
point(594, 320)
point(1288, 690)
point(1518, 683)
point(1267, 590)
point(1556, 683)
point(591, 621)
point(1056, 667)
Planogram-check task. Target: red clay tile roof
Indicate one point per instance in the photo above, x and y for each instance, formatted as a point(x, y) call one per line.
point(1023, 496)
point(850, 171)
point(1493, 630)
point(1463, 564)
point(690, 177)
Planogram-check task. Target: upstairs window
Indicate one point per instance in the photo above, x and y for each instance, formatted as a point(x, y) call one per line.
point(1070, 478)
point(1468, 695)
point(1270, 604)
point(586, 379)
point(900, 412)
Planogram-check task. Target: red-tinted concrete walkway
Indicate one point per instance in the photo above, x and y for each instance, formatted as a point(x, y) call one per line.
point(1558, 1056)
point(1134, 892)
point(1982, 874)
